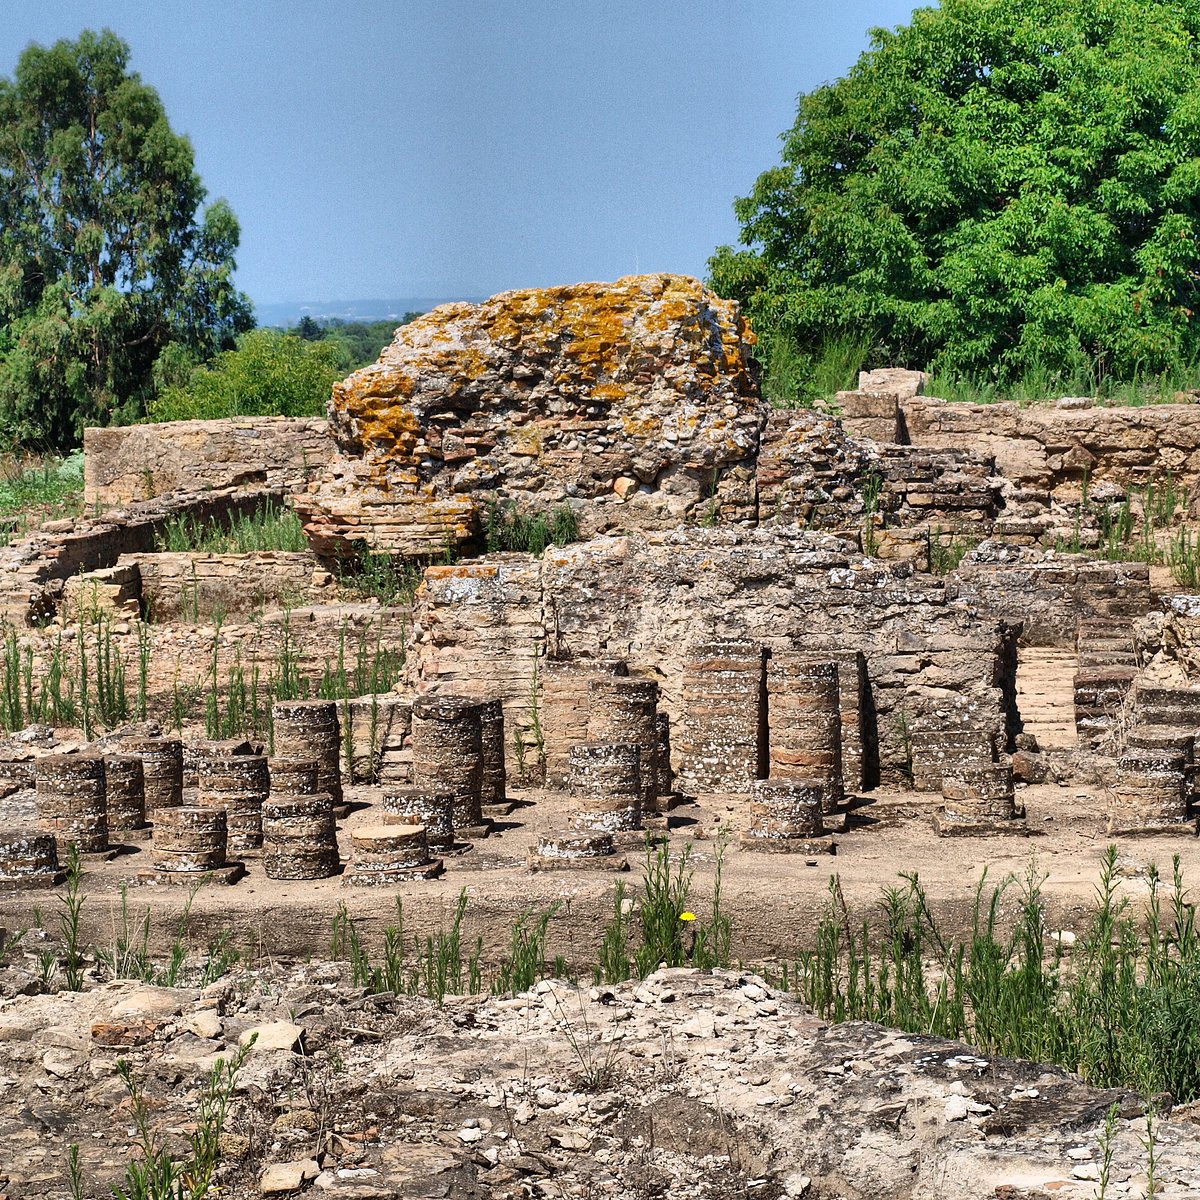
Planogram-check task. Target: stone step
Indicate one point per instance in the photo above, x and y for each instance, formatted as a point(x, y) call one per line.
point(1046, 695)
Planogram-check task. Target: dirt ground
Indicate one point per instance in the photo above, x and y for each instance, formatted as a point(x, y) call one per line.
point(775, 900)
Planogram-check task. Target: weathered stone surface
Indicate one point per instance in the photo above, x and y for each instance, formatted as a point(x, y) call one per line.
point(276, 1035)
point(139, 462)
point(825, 473)
point(483, 1097)
point(904, 383)
point(1049, 592)
point(199, 587)
point(645, 599)
point(635, 402)
point(1046, 446)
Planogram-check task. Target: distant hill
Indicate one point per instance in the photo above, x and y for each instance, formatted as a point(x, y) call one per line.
point(288, 312)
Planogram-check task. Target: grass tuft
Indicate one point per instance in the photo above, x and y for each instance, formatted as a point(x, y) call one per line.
point(270, 528)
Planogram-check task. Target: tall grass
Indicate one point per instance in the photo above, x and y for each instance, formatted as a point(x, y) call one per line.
point(794, 378)
point(1122, 1011)
point(435, 966)
point(241, 706)
point(508, 527)
point(1040, 382)
point(82, 682)
point(157, 1174)
point(376, 575)
point(270, 528)
point(1132, 530)
point(50, 488)
point(432, 967)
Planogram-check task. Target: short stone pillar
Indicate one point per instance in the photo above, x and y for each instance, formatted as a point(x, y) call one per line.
point(1172, 706)
point(162, 771)
point(870, 414)
point(29, 859)
point(1148, 795)
point(382, 855)
point(190, 839)
point(624, 711)
point(240, 784)
point(606, 784)
point(786, 815)
point(804, 718)
point(1174, 739)
point(568, 846)
point(311, 729)
point(426, 806)
point(124, 793)
point(939, 748)
point(447, 743)
point(292, 776)
point(493, 786)
point(195, 751)
point(979, 799)
point(71, 800)
point(722, 741)
point(300, 837)
point(564, 708)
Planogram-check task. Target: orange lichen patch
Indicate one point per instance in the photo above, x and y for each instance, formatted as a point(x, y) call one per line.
point(390, 431)
point(642, 427)
point(461, 571)
point(611, 392)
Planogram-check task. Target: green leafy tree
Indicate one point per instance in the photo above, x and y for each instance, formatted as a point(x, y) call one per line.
point(106, 259)
point(1000, 187)
point(360, 342)
point(271, 373)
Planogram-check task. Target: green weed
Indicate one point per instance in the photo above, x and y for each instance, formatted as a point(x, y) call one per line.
point(70, 920)
point(271, 527)
point(158, 1175)
point(380, 576)
point(509, 528)
point(947, 550)
point(1121, 1013)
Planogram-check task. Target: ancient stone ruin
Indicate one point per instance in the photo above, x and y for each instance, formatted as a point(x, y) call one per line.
point(885, 635)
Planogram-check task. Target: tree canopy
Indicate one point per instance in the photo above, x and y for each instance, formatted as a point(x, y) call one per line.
point(999, 187)
point(358, 342)
point(270, 373)
point(106, 259)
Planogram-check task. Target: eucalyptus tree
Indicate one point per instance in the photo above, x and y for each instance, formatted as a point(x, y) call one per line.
point(107, 257)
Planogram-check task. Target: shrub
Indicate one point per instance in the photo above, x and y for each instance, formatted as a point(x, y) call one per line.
point(269, 374)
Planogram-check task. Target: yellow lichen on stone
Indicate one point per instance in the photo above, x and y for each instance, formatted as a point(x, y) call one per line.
point(544, 390)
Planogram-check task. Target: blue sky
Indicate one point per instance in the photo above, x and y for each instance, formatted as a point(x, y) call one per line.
point(464, 147)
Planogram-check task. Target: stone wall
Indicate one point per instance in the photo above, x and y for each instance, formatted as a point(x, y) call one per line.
point(34, 570)
point(811, 472)
point(1053, 447)
point(204, 586)
point(644, 598)
point(1048, 592)
point(140, 462)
